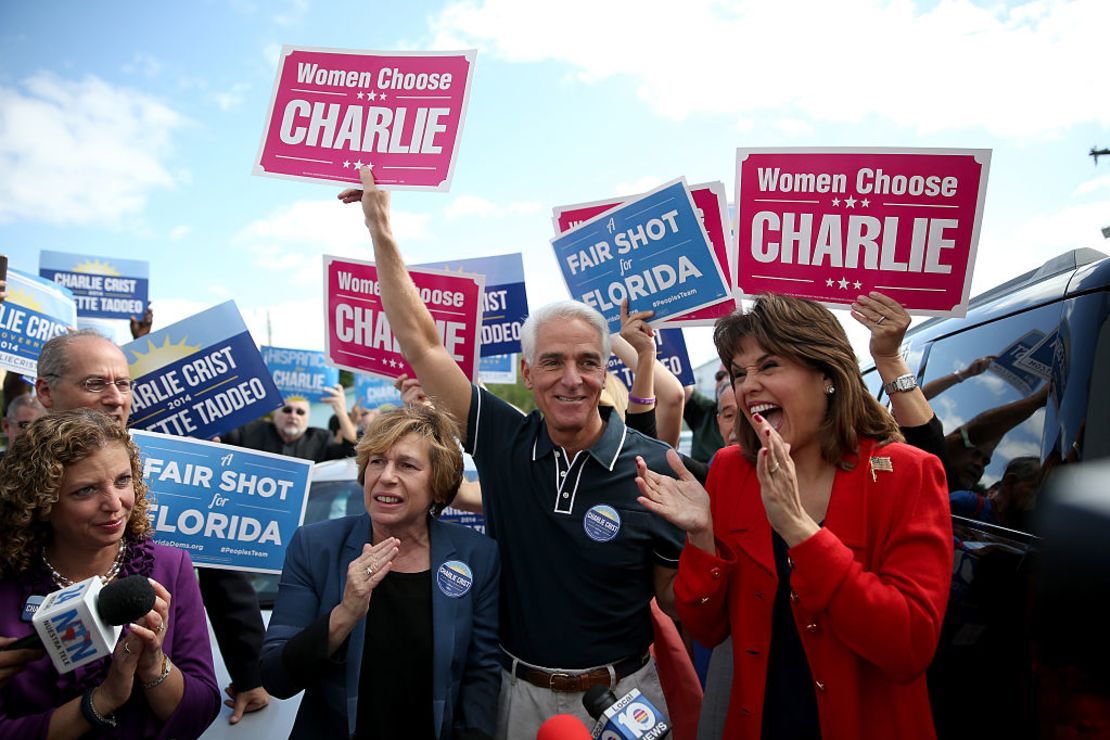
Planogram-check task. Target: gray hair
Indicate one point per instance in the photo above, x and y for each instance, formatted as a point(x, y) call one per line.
point(21, 402)
point(567, 310)
point(54, 357)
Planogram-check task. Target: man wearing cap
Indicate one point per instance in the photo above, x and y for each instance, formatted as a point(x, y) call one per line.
point(288, 432)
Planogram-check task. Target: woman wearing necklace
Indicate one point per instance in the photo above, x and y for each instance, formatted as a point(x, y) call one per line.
point(73, 506)
point(388, 620)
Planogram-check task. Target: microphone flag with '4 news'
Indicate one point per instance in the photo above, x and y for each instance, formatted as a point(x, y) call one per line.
point(81, 623)
point(632, 717)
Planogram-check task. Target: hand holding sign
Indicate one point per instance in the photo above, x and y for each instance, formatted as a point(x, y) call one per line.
point(375, 203)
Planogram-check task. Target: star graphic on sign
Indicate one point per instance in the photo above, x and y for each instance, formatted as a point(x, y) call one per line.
point(865, 202)
point(383, 97)
point(358, 165)
point(829, 283)
point(346, 164)
point(359, 96)
point(857, 285)
point(843, 283)
point(372, 95)
point(850, 202)
point(836, 201)
point(370, 165)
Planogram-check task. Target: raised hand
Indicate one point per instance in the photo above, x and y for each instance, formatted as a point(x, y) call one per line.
point(681, 501)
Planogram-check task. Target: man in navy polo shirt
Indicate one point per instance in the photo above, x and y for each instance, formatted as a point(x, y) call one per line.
point(581, 559)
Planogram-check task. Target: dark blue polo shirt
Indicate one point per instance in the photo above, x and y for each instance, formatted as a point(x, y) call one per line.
point(578, 553)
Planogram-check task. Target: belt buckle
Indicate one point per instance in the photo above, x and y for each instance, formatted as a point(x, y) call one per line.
point(552, 678)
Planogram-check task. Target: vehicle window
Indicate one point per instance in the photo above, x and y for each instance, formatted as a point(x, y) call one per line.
point(989, 391)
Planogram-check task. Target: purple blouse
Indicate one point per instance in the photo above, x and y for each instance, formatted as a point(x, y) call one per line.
point(29, 698)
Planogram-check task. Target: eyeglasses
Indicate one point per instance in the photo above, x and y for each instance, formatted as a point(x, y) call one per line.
point(294, 410)
point(99, 385)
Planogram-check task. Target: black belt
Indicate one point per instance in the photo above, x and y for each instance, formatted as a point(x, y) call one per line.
point(574, 682)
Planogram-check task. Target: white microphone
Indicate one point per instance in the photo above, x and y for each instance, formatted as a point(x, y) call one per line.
point(77, 625)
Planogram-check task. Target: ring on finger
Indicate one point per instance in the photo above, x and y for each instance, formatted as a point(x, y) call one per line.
point(370, 570)
point(880, 320)
point(126, 647)
point(774, 467)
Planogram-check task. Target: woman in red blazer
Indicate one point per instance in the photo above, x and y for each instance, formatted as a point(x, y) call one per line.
point(823, 545)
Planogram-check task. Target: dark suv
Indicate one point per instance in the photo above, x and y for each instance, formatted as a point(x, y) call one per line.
point(1020, 385)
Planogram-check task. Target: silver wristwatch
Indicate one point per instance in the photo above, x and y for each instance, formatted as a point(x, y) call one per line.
point(901, 384)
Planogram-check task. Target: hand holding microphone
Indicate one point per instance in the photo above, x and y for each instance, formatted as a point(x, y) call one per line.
point(632, 717)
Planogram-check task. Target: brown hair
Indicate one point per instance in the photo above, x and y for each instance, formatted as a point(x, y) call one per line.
point(807, 333)
point(31, 479)
point(435, 427)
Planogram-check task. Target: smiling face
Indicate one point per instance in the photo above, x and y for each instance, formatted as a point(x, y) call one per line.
point(566, 380)
point(94, 502)
point(398, 485)
point(789, 395)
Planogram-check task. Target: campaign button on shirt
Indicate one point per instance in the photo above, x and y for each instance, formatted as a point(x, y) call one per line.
point(602, 523)
point(454, 578)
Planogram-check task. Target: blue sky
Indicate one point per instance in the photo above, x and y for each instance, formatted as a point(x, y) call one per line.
point(129, 129)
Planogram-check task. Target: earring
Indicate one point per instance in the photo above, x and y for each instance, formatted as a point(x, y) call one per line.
point(830, 390)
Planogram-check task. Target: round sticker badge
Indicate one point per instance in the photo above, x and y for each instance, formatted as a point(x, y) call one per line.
point(454, 578)
point(601, 523)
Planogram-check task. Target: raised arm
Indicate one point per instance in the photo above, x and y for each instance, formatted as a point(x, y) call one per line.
point(635, 346)
point(409, 318)
point(887, 321)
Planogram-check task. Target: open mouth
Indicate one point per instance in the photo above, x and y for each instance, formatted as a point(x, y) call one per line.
point(770, 412)
point(570, 399)
point(383, 499)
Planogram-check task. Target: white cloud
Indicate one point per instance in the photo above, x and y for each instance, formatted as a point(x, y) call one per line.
point(293, 14)
point(272, 54)
point(231, 97)
point(81, 151)
point(1032, 69)
point(640, 185)
point(1092, 185)
point(144, 65)
point(179, 232)
point(293, 237)
point(472, 205)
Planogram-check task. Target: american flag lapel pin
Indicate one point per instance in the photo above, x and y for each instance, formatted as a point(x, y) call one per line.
point(880, 463)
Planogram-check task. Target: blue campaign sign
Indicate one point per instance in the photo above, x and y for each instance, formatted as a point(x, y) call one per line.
point(1038, 360)
point(670, 349)
point(36, 311)
point(1006, 364)
point(300, 372)
point(229, 507)
point(373, 392)
point(199, 377)
point(653, 250)
point(103, 287)
point(504, 303)
point(498, 369)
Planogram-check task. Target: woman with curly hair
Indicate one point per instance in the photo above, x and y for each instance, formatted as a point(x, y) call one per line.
point(73, 506)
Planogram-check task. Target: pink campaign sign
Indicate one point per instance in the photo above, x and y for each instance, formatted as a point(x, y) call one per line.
point(359, 337)
point(709, 199)
point(334, 110)
point(831, 224)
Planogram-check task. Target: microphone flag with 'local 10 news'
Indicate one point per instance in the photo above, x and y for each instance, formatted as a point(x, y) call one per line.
point(81, 623)
point(632, 717)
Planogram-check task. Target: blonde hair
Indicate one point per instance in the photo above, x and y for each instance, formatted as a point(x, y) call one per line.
point(31, 476)
point(437, 428)
point(808, 333)
point(615, 393)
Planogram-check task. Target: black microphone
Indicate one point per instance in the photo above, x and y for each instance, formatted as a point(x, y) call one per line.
point(632, 717)
point(120, 602)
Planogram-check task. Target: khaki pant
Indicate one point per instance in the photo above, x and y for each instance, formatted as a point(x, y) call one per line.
point(523, 707)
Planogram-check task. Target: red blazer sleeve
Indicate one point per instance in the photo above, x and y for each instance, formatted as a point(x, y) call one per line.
point(891, 613)
point(702, 584)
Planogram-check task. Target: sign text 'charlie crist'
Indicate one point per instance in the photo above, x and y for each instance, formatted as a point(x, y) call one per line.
point(831, 224)
point(335, 110)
